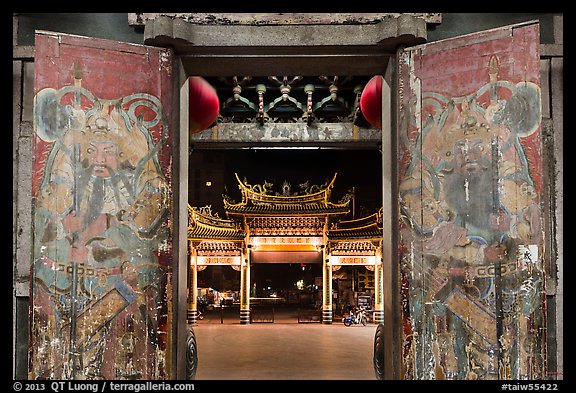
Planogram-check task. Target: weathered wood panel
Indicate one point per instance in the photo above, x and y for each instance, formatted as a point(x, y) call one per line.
point(470, 181)
point(101, 201)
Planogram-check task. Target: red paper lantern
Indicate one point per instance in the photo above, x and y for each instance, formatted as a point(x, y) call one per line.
point(371, 101)
point(203, 104)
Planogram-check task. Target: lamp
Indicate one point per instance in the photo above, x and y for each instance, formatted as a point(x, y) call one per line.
point(371, 101)
point(204, 104)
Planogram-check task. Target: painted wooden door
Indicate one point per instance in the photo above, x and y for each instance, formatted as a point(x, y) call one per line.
point(470, 189)
point(101, 209)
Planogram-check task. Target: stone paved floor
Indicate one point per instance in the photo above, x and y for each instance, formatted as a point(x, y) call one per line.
point(284, 350)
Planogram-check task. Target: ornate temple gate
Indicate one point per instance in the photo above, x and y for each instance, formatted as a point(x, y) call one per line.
point(289, 226)
point(299, 226)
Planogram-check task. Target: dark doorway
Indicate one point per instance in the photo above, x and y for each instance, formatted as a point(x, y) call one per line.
point(296, 283)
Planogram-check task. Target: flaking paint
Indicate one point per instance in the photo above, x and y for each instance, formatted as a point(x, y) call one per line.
point(470, 198)
point(101, 203)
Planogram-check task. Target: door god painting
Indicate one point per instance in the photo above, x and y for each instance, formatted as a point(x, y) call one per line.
point(471, 232)
point(101, 208)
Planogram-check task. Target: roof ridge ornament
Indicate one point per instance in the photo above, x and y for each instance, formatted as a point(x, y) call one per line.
point(266, 188)
point(206, 211)
point(307, 201)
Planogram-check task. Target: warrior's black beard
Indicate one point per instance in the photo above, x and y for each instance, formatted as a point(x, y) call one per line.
point(476, 210)
point(96, 201)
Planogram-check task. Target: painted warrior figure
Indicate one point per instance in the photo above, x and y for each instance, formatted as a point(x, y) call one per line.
point(97, 225)
point(474, 225)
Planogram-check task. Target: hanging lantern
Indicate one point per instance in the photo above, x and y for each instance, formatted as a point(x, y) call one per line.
point(203, 104)
point(371, 101)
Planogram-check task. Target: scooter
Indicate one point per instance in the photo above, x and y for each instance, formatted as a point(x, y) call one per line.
point(355, 318)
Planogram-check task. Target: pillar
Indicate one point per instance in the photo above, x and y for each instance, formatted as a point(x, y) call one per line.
point(245, 289)
point(392, 329)
point(193, 287)
point(379, 288)
point(326, 288)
